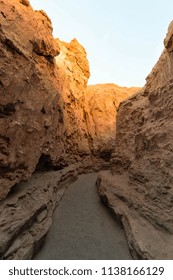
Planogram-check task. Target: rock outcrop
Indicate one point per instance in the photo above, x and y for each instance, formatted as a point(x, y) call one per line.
point(73, 73)
point(101, 105)
point(139, 189)
point(41, 116)
point(46, 111)
point(26, 214)
point(28, 92)
point(49, 119)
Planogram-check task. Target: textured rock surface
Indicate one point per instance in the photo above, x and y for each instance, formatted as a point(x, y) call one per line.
point(25, 219)
point(50, 119)
point(47, 119)
point(44, 124)
point(101, 104)
point(140, 187)
point(28, 92)
point(73, 74)
point(41, 119)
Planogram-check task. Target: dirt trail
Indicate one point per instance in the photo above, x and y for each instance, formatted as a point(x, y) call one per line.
point(83, 227)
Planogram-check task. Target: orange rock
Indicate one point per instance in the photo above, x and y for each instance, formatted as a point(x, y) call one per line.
point(27, 91)
point(48, 117)
point(41, 101)
point(101, 105)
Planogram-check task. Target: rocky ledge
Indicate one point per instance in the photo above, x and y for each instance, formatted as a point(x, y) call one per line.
point(26, 215)
point(146, 239)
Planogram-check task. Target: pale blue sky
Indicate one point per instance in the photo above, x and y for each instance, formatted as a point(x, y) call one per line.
point(123, 39)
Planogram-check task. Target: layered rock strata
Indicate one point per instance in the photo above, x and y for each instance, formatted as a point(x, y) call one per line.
point(139, 188)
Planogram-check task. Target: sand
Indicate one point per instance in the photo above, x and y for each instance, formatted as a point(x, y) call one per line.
point(83, 227)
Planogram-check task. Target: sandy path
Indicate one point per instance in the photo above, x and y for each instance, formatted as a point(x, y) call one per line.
point(83, 227)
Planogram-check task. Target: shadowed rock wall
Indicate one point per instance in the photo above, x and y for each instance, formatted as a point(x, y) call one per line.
point(140, 186)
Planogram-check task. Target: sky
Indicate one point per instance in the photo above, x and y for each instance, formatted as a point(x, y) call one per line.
point(123, 38)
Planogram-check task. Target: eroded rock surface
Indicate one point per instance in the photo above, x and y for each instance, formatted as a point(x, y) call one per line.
point(41, 117)
point(101, 104)
point(139, 188)
point(26, 214)
point(48, 120)
point(28, 93)
point(48, 117)
point(73, 73)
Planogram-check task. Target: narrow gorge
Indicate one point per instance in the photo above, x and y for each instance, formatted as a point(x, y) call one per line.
point(55, 127)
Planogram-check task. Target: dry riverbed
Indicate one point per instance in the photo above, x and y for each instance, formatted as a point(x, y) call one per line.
point(83, 227)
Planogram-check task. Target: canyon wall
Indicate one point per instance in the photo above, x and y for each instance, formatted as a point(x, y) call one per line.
point(101, 105)
point(139, 188)
point(28, 92)
point(49, 120)
point(47, 116)
point(41, 115)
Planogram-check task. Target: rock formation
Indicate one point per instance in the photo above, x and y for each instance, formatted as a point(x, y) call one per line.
point(28, 92)
point(51, 119)
point(40, 98)
point(101, 104)
point(43, 108)
point(48, 120)
point(139, 188)
point(26, 214)
point(73, 73)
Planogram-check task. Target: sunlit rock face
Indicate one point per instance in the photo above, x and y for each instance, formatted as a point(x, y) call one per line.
point(101, 104)
point(28, 92)
point(41, 115)
point(48, 116)
point(73, 73)
point(142, 192)
point(49, 119)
